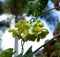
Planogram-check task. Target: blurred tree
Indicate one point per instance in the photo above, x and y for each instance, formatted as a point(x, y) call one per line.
point(16, 8)
point(1, 8)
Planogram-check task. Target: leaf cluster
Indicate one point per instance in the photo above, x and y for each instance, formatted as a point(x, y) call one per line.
point(15, 7)
point(36, 7)
point(29, 31)
point(9, 52)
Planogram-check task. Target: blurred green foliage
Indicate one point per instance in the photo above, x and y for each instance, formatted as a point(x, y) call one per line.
point(7, 53)
point(1, 8)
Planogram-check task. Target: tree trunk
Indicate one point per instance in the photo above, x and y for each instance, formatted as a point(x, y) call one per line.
point(16, 40)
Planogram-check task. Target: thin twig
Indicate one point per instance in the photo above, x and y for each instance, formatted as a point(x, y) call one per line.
point(50, 9)
point(46, 43)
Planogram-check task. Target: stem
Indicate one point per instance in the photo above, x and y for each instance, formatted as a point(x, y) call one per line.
point(46, 43)
point(50, 9)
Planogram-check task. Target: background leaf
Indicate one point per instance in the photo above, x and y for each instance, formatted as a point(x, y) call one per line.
point(29, 53)
point(7, 53)
point(54, 1)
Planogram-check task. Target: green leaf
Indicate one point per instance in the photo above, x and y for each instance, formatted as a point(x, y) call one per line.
point(29, 53)
point(57, 46)
point(7, 53)
point(20, 55)
point(54, 1)
point(58, 26)
point(16, 35)
point(36, 7)
point(30, 37)
point(22, 26)
point(43, 33)
point(1, 50)
point(42, 55)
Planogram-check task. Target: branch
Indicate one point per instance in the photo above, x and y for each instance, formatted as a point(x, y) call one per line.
point(46, 43)
point(50, 9)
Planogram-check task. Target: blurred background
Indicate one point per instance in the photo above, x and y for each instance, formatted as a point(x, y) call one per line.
point(50, 20)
